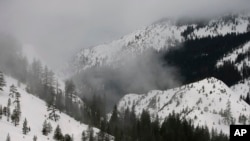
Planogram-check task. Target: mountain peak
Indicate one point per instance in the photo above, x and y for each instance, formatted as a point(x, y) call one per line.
point(161, 35)
point(204, 102)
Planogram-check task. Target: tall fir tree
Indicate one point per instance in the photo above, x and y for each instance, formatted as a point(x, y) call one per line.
point(70, 93)
point(1, 111)
point(2, 81)
point(15, 117)
point(58, 134)
point(53, 115)
point(8, 137)
point(25, 127)
point(8, 109)
point(114, 121)
point(13, 91)
point(45, 130)
point(35, 138)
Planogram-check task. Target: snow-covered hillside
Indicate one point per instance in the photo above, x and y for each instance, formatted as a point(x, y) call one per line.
point(158, 36)
point(242, 88)
point(35, 111)
point(239, 57)
point(207, 102)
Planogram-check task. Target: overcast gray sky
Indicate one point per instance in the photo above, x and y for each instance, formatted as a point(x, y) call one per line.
point(53, 29)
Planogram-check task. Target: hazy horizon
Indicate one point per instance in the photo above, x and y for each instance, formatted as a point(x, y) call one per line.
point(54, 30)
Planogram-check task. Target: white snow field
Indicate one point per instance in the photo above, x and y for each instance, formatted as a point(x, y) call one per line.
point(35, 111)
point(203, 102)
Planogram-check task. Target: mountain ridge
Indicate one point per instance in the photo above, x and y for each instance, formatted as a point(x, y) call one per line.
point(204, 103)
point(158, 36)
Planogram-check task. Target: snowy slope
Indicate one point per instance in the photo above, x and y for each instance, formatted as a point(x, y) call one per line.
point(242, 88)
point(203, 102)
point(35, 111)
point(158, 36)
point(233, 57)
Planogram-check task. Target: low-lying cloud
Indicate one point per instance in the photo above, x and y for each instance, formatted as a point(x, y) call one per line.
point(137, 74)
point(57, 28)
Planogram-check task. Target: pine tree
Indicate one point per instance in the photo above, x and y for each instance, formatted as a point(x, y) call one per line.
point(58, 134)
point(35, 138)
point(45, 128)
point(2, 81)
point(228, 114)
point(248, 98)
point(13, 91)
point(1, 112)
point(49, 127)
point(53, 112)
point(17, 102)
point(25, 127)
point(114, 120)
point(70, 94)
point(15, 117)
point(8, 137)
point(60, 100)
point(67, 138)
point(5, 111)
point(8, 109)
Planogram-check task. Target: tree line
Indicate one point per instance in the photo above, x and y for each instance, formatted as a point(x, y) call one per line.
point(196, 58)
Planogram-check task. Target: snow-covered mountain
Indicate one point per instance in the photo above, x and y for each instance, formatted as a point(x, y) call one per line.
point(159, 36)
point(207, 102)
point(240, 57)
point(242, 88)
point(35, 111)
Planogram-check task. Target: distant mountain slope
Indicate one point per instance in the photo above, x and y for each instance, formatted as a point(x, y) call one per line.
point(242, 88)
point(240, 57)
point(208, 102)
point(35, 111)
point(158, 36)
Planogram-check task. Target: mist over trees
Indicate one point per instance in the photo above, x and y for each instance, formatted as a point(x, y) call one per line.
point(135, 74)
point(12, 61)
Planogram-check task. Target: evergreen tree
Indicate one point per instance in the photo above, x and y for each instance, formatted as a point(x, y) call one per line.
point(17, 101)
point(53, 112)
point(8, 109)
point(13, 91)
point(15, 117)
point(25, 127)
point(49, 127)
point(248, 98)
point(45, 82)
point(2, 81)
point(5, 111)
point(114, 120)
point(145, 125)
point(8, 137)
point(45, 129)
point(67, 138)
point(70, 93)
point(228, 114)
point(1, 112)
point(60, 100)
point(35, 138)
point(58, 134)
